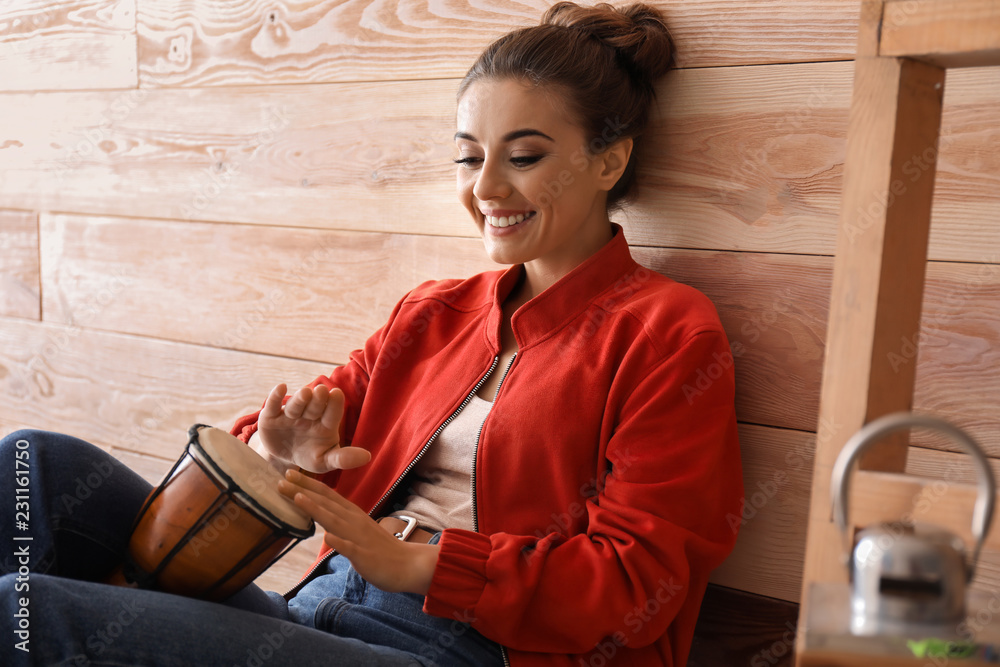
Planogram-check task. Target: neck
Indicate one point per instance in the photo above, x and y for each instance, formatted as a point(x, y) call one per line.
point(541, 274)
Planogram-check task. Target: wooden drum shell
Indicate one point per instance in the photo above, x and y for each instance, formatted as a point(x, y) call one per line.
point(201, 535)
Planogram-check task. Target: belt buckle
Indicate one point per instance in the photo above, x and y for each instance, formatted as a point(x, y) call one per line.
point(411, 525)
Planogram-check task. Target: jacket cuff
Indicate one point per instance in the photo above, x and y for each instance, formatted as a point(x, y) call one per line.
point(245, 427)
point(460, 574)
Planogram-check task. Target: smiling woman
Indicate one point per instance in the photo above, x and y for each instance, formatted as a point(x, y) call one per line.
point(522, 467)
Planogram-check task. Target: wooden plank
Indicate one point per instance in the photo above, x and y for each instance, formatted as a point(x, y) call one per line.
point(878, 277)
point(307, 294)
point(878, 274)
point(880, 496)
point(777, 470)
point(192, 43)
point(20, 284)
point(277, 291)
point(758, 166)
point(744, 159)
point(949, 33)
point(125, 392)
point(68, 45)
point(312, 156)
point(739, 628)
point(774, 310)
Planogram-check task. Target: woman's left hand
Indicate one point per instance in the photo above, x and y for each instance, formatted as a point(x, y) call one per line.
point(379, 557)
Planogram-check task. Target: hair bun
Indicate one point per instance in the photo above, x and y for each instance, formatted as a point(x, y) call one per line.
point(637, 32)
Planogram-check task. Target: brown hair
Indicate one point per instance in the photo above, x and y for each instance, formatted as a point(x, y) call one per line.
point(605, 60)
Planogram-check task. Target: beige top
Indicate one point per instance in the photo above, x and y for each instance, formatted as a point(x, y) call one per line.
point(441, 492)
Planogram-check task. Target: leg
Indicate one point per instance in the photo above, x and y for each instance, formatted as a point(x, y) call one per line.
point(81, 503)
point(341, 602)
point(83, 623)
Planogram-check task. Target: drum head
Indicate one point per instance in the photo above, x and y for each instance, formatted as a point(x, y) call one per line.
point(255, 476)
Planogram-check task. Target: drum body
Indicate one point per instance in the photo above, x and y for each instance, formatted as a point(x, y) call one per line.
point(215, 522)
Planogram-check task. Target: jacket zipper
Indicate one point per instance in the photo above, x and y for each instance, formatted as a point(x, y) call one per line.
point(475, 460)
point(308, 575)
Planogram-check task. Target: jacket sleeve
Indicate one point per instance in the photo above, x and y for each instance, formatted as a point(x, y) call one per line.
point(352, 378)
point(656, 527)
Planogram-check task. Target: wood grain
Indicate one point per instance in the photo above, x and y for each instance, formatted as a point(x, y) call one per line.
point(68, 45)
point(736, 628)
point(314, 294)
point(20, 282)
point(957, 33)
point(743, 158)
point(760, 168)
point(125, 392)
point(777, 470)
point(306, 294)
point(878, 278)
point(194, 43)
point(774, 310)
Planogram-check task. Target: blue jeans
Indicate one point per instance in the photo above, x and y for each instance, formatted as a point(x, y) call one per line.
point(67, 510)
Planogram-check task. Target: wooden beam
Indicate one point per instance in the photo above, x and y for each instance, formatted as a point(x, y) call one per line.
point(878, 276)
point(880, 496)
point(947, 33)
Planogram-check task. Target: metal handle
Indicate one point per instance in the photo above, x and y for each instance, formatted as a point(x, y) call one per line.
point(876, 430)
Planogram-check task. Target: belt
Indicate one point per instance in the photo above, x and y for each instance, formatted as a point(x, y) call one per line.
point(405, 528)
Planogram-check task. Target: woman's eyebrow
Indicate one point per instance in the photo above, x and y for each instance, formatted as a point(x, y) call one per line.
point(510, 136)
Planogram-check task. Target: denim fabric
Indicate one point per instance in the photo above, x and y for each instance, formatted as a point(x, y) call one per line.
point(82, 505)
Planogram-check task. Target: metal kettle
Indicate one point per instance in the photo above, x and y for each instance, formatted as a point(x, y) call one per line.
point(906, 574)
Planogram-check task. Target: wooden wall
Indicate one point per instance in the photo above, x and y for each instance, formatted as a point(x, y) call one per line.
point(200, 199)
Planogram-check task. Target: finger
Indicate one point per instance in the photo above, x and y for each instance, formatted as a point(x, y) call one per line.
point(297, 404)
point(317, 403)
point(345, 458)
point(334, 411)
point(320, 513)
point(306, 484)
point(272, 404)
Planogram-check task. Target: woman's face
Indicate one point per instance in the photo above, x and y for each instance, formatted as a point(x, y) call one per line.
point(536, 194)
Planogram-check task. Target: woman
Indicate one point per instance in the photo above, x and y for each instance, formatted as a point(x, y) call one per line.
point(552, 428)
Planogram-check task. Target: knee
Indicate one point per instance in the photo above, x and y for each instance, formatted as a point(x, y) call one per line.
point(24, 436)
point(12, 587)
point(40, 445)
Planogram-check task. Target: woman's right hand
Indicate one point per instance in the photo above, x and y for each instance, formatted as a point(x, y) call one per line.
point(305, 431)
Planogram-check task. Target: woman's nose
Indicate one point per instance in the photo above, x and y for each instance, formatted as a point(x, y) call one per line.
point(491, 183)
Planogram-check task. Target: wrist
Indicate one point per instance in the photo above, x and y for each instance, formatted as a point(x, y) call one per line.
point(423, 560)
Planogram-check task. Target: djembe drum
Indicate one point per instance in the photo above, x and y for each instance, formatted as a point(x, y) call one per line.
point(214, 523)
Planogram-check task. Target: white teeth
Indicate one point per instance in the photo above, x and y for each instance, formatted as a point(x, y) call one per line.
point(507, 220)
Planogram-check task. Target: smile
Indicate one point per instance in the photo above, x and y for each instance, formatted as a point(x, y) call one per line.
point(508, 220)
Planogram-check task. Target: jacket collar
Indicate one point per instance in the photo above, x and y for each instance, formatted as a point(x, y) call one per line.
point(564, 300)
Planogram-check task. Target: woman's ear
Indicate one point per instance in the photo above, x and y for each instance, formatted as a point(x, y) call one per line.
point(613, 162)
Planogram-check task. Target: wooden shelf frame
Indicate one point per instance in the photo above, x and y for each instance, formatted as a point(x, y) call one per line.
point(904, 48)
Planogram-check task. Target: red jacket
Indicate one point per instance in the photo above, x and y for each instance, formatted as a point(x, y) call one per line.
point(603, 474)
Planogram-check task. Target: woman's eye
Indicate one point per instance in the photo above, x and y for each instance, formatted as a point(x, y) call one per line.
point(469, 161)
point(525, 160)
